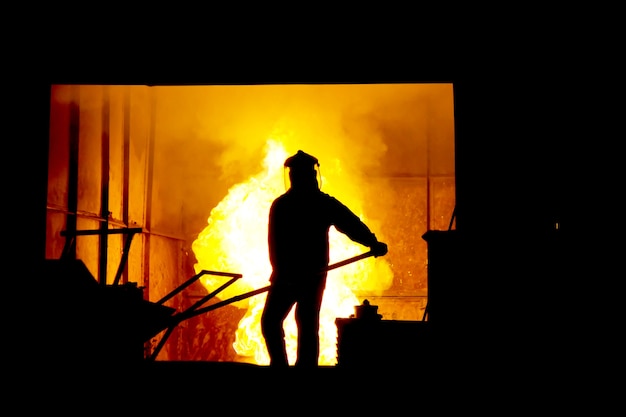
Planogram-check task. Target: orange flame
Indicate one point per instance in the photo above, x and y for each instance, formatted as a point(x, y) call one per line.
point(235, 240)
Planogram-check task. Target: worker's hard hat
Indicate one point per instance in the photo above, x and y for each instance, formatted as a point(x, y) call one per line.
point(301, 161)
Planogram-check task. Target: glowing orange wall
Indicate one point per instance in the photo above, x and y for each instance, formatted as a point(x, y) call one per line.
point(174, 152)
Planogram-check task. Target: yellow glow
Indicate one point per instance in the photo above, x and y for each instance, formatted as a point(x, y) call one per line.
point(235, 240)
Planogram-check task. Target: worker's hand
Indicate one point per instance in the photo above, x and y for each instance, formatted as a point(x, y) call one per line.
point(379, 249)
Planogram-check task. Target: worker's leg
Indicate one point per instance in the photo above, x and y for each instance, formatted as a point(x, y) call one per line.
point(307, 316)
point(277, 306)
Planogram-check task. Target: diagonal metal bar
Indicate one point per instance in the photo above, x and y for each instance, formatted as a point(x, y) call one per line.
point(194, 279)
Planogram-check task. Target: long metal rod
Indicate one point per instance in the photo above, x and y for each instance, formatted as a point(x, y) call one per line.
point(189, 314)
point(127, 230)
point(164, 338)
point(193, 311)
point(350, 260)
point(103, 241)
point(211, 295)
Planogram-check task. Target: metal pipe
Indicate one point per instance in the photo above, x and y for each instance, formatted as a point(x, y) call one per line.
point(187, 314)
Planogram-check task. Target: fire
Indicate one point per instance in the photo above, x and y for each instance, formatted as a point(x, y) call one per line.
point(235, 240)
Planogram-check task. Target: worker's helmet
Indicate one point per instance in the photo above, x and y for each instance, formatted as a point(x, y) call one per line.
point(302, 169)
point(301, 161)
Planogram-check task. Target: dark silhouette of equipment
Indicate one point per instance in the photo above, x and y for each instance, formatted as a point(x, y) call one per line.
point(81, 320)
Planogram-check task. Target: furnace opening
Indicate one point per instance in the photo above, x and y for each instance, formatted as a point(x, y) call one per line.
point(196, 167)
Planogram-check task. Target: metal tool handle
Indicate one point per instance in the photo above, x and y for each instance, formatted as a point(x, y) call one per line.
point(349, 260)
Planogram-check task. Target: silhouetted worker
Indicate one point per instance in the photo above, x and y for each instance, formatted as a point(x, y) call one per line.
point(299, 223)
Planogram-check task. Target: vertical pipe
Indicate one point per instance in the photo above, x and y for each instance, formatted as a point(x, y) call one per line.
point(428, 208)
point(148, 207)
point(126, 173)
point(104, 191)
point(72, 186)
point(148, 191)
point(428, 187)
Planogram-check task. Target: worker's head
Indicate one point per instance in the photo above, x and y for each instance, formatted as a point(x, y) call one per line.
point(302, 172)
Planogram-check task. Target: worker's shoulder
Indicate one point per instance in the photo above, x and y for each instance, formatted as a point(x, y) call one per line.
point(331, 201)
point(327, 196)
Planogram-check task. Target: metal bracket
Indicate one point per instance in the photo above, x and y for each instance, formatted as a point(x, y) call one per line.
point(70, 243)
